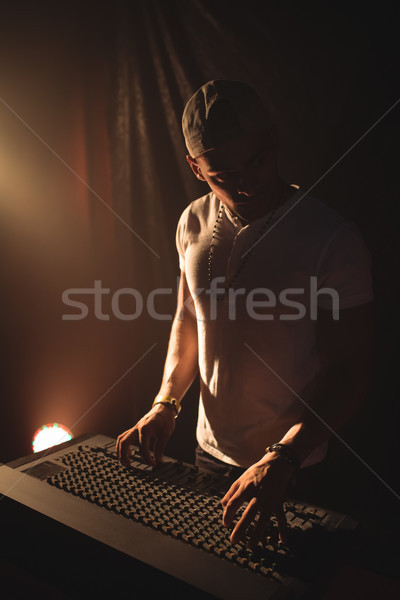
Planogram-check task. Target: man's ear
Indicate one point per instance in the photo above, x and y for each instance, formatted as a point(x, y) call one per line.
point(195, 167)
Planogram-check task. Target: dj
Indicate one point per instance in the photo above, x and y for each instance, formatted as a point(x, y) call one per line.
point(274, 314)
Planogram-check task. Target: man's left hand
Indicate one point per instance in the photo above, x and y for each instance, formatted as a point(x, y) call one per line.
point(263, 486)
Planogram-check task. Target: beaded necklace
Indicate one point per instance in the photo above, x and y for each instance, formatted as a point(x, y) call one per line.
point(244, 259)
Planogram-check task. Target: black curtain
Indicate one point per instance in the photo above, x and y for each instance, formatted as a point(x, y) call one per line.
point(328, 73)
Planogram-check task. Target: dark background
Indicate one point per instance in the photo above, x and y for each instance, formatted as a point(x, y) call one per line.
point(93, 179)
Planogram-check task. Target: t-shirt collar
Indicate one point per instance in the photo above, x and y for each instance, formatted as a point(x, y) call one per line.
point(280, 211)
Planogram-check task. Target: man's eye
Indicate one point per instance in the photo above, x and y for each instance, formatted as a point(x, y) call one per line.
point(223, 177)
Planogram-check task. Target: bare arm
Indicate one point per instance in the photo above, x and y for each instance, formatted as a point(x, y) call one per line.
point(180, 369)
point(181, 364)
point(344, 348)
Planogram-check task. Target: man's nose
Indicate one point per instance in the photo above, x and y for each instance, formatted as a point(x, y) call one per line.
point(246, 185)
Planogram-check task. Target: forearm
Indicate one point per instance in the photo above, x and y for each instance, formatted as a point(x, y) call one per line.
point(181, 367)
point(181, 363)
point(345, 352)
point(330, 400)
point(326, 408)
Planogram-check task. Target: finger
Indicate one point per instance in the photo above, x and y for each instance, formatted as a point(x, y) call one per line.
point(244, 522)
point(159, 446)
point(125, 448)
point(118, 445)
point(259, 532)
point(230, 493)
point(232, 506)
point(144, 447)
point(282, 524)
point(117, 448)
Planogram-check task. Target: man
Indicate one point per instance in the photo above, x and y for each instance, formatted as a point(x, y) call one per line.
point(274, 313)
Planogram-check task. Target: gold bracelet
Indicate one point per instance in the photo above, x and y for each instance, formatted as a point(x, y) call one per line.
point(169, 401)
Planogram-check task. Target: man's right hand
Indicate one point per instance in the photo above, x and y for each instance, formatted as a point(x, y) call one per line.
point(157, 424)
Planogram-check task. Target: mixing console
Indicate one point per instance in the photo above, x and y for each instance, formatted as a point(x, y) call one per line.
point(177, 506)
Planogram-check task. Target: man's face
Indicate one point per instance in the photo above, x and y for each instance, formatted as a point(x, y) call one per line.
point(242, 173)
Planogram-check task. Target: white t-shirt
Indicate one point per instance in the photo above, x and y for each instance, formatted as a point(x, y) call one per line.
point(257, 349)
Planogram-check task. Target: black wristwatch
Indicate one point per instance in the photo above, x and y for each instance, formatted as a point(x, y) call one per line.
point(287, 453)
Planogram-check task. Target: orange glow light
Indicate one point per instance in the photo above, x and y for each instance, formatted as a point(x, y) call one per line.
point(50, 435)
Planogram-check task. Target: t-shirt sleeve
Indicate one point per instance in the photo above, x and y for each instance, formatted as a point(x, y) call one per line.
point(181, 238)
point(345, 266)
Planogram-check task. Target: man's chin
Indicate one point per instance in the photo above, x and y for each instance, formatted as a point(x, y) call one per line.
point(249, 212)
